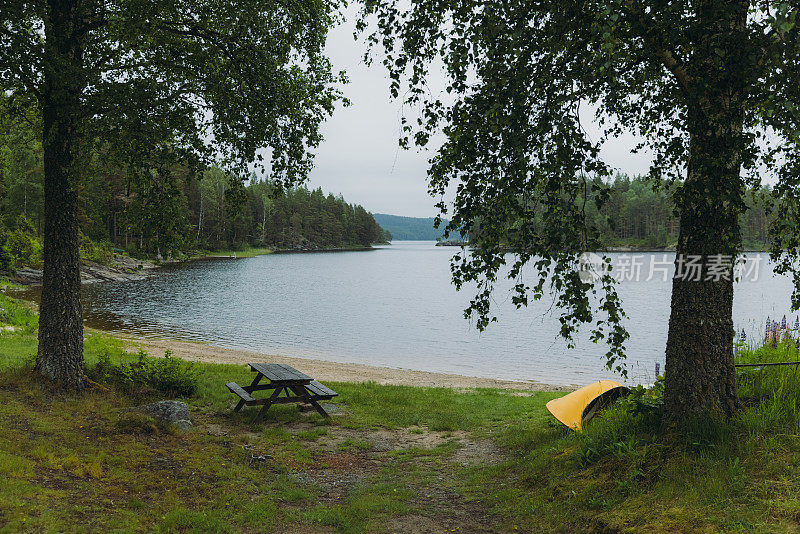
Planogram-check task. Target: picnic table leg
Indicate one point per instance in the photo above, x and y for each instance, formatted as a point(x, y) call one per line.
point(301, 391)
point(267, 404)
point(255, 382)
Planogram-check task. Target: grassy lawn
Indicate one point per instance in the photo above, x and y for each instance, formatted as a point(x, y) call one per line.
point(391, 459)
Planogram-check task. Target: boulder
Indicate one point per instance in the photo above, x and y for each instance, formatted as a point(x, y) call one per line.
point(169, 411)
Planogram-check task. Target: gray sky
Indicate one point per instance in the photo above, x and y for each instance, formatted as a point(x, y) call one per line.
point(360, 157)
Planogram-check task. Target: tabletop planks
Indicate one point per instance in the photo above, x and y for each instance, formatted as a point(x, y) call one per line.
point(279, 372)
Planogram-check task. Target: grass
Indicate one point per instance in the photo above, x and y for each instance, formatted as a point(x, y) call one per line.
point(738, 475)
point(242, 252)
point(398, 458)
point(246, 251)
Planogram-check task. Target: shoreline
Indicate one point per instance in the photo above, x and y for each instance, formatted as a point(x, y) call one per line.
point(122, 269)
point(323, 370)
point(126, 268)
point(320, 369)
point(252, 253)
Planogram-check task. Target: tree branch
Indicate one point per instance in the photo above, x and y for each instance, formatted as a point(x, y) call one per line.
point(28, 83)
point(670, 60)
point(773, 36)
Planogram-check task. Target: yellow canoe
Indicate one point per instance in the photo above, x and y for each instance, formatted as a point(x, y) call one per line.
point(578, 407)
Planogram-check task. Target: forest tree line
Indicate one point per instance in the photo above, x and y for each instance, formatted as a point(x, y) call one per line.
point(167, 211)
point(171, 211)
point(640, 216)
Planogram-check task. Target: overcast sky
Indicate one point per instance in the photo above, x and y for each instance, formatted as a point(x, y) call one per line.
point(360, 157)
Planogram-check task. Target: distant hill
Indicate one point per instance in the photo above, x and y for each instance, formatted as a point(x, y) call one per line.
point(409, 228)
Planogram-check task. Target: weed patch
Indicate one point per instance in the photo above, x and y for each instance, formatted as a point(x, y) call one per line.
point(168, 375)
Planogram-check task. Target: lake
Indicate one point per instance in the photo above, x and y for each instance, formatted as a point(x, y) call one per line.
point(394, 306)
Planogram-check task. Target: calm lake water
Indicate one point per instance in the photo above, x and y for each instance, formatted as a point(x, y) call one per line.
point(395, 306)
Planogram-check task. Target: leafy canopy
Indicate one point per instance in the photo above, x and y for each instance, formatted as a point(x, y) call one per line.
point(185, 81)
point(521, 77)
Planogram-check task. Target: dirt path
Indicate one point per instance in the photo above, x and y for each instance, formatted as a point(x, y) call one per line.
point(346, 462)
point(332, 371)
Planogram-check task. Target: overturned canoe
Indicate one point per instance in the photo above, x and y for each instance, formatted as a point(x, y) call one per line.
point(578, 407)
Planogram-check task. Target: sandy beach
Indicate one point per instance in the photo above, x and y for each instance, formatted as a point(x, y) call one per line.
point(331, 371)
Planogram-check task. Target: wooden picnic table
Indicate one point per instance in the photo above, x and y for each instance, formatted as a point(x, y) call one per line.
point(296, 386)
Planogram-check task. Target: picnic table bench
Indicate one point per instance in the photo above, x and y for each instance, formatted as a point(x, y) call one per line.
point(296, 386)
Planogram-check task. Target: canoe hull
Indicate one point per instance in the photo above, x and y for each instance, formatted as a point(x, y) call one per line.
point(576, 409)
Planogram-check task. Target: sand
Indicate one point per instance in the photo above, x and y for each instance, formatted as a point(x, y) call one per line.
point(332, 371)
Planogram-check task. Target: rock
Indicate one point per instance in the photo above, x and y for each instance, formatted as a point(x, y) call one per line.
point(333, 409)
point(169, 411)
point(123, 268)
point(27, 276)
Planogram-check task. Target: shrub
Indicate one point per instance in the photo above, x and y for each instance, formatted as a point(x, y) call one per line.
point(173, 376)
point(6, 260)
point(646, 402)
point(23, 243)
point(168, 375)
point(96, 252)
point(626, 426)
point(24, 225)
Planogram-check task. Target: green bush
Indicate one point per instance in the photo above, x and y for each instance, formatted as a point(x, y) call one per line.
point(96, 252)
point(647, 402)
point(168, 375)
point(6, 260)
point(23, 244)
point(624, 427)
